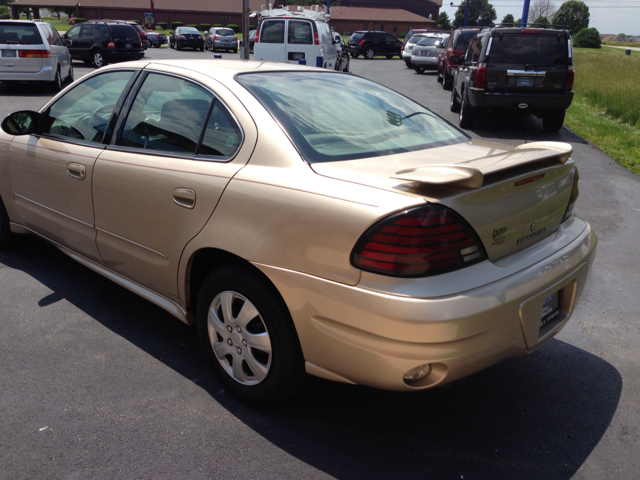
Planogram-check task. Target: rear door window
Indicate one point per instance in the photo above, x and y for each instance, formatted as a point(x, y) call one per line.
point(272, 31)
point(529, 48)
point(19, 34)
point(464, 38)
point(300, 33)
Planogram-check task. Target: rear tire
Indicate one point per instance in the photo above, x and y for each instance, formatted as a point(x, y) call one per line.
point(467, 114)
point(447, 81)
point(419, 69)
point(369, 53)
point(552, 122)
point(454, 103)
point(56, 84)
point(408, 63)
point(97, 58)
point(354, 55)
point(249, 338)
point(71, 76)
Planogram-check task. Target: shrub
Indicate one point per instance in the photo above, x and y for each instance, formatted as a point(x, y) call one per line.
point(234, 27)
point(402, 35)
point(216, 25)
point(205, 26)
point(587, 38)
point(6, 16)
point(161, 25)
point(175, 25)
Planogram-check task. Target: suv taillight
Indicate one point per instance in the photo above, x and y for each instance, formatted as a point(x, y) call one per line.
point(256, 40)
point(34, 53)
point(316, 38)
point(568, 83)
point(111, 45)
point(418, 242)
point(480, 76)
point(575, 191)
point(215, 37)
point(361, 42)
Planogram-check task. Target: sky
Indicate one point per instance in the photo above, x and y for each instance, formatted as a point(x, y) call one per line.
point(608, 16)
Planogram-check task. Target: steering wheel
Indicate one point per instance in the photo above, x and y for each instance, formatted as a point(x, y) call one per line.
point(95, 115)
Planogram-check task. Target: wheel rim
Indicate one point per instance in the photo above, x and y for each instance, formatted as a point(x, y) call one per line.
point(97, 59)
point(370, 54)
point(239, 338)
point(58, 80)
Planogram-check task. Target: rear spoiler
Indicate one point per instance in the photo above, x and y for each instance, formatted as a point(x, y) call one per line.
point(470, 174)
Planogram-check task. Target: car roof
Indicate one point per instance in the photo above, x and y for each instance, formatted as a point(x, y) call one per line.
point(551, 29)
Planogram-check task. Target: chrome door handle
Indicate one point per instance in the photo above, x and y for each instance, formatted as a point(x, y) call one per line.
point(77, 171)
point(185, 198)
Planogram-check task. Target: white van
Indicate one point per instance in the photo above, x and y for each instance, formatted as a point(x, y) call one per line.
point(292, 36)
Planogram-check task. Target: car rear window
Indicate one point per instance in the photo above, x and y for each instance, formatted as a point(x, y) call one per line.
point(226, 32)
point(331, 117)
point(19, 34)
point(189, 30)
point(529, 48)
point(356, 37)
point(272, 32)
point(124, 31)
point(429, 41)
point(464, 38)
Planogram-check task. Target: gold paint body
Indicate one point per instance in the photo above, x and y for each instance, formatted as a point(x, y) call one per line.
point(141, 219)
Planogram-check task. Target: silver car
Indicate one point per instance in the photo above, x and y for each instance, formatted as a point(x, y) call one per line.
point(221, 38)
point(33, 51)
point(424, 55)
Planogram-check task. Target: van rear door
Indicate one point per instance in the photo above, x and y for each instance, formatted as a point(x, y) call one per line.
point(300, 43)
point(270, 46)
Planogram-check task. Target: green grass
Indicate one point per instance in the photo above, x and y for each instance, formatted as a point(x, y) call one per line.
point(606, 106)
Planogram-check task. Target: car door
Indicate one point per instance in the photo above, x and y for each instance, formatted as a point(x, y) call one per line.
point(72, 41)
point(300, 44)
point(157, 184)
point(51, 172)
point(393, 47)
point(58, 50)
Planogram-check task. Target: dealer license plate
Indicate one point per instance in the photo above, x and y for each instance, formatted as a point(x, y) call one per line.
point(9, 53)
point(128, 45)
point(297, 56)
point(550, 308)
point(524, 82)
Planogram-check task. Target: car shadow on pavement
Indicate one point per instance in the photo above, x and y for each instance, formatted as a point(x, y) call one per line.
point(535, 417)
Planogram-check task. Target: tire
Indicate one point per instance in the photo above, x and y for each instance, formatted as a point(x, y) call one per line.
point(552, 122)
point(408, 63)
point(369, 53)
point(56, 84)
point(71, 76)
point(346, 68)
point(202, 48)
point(88, 63)
point(7, 237)
point(273, 370)
point(447, 81)
point(467, 114)
point(97, 58)
point(419, 69)
point(454, 103)
point(235, 50)
point(354, 55)
point(439, 78)
point(389, 57)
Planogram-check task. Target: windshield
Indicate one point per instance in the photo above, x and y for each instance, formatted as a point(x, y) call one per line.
point(332, 117)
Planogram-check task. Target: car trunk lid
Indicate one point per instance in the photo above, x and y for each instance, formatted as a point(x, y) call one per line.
point(512, 197)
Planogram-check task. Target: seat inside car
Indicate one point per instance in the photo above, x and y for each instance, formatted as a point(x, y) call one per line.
point(180, 124)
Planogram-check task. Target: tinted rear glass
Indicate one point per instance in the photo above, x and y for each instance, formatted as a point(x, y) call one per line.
point(429, 41)
point(19, 34)
point(464, 38)
point(227, 32)
point(123, 31)
point(356, 37)
point(529, 48)
point(347, 117)
point(189, 30)
point(272, 32)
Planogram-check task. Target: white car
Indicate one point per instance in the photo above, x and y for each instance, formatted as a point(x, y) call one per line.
point(33, 51)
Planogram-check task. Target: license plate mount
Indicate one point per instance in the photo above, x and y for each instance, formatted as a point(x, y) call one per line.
point(550, 309)
point(524, 82)
point(9, 53)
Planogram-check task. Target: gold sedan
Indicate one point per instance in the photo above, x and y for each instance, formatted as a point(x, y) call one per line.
point(308, 222)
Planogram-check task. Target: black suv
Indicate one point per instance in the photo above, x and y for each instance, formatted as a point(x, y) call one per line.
point(100, 43)
point(528, 69)
point(369, 44)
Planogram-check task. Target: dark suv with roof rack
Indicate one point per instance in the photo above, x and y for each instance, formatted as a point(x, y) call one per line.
point(371, 43)
point(528, 69)
point(100, 43)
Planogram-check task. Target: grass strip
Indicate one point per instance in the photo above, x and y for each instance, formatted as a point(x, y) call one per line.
point(619, 140)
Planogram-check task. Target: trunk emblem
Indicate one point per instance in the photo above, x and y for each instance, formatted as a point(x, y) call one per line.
point(533, 227)
point(523, 105)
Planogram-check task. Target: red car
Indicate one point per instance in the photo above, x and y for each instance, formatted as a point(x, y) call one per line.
point(456, 45)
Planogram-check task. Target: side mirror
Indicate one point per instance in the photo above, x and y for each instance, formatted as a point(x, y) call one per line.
point(67, 42)
point(454, 59)
point(23, 122)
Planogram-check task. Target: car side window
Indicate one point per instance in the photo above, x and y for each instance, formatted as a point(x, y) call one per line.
point(74, 32)
point(468, 55)
point(222, 136)
point(167, 115)
point(83, 113)
point(378, 37)
point(57, 39)
point(272, 32)
point(48, 33)
point(477, 48)
point(102, 32)
point(300, 33)
point(87, 30)
point(390, 38)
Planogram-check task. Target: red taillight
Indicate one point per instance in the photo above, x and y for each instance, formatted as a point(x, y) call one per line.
point(215, 37)
point(421, 242)
point(316, 38)
point(361, 42)
point(480, 76)
point(34, 53)
point(180, 36)
point(235, 38)
point(568, 83)
point(111, 45)
point(255, 40)
point(529, 30)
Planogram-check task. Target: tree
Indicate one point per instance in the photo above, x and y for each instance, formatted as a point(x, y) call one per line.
point(542, 8)
point(444, 22)
point(542, 21)
point(574, 14)
point(481, 12)
point(587, 38)
point(508, 20)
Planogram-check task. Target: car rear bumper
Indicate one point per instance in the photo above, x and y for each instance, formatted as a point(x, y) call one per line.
point(119, 55)
point(46, 74)
point(190, 43)
point(427, 62)
point(221, 45)
point(482, 98)
point(365, 336)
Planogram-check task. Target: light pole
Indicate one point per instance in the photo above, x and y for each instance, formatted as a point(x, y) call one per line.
point(245, 30)
point(466, 11)
point(525, 13)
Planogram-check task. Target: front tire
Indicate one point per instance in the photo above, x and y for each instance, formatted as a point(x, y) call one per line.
point(71, 76)
point(552, 122)
point(369, 53)
point(248, 335)
point(467, 114)
point(454, 103)
point(447, 81)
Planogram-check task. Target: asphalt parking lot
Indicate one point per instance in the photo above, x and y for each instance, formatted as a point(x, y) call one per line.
point(98, 383)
